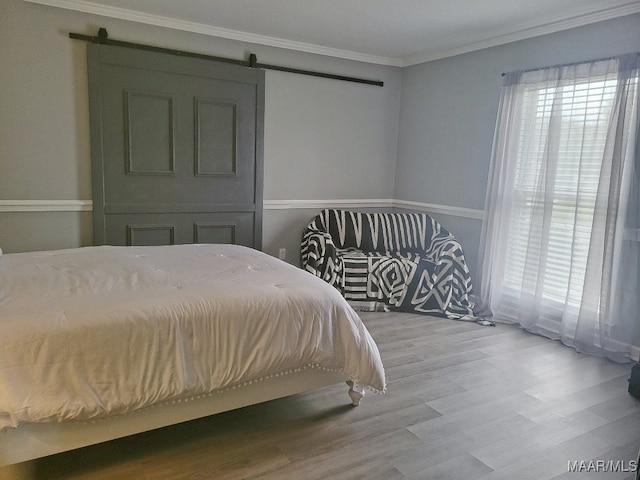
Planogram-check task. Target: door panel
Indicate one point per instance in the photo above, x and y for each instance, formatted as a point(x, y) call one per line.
point(149, 134)
point(179, 228)
point(216, 133)
point(174, 138)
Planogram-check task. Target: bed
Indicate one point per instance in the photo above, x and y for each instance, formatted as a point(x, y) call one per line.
point(98, 343)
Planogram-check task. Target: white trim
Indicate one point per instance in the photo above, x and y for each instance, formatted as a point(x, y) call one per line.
point(620, 346)
point(320, 204)
point(440, 209)
point(46, 206)
point(87, 206)
point(194, 27)
point(8, 206)
point(523, 33)
point(374, 203)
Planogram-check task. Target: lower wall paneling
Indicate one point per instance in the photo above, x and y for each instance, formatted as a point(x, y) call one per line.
point(26, 231)
point(29, 225)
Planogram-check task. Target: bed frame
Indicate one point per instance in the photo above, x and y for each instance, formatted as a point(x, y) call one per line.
point(31, 441)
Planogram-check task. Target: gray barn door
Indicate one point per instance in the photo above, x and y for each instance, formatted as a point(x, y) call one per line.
point(176, 146)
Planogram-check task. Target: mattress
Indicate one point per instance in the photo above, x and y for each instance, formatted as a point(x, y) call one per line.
point(98, 331)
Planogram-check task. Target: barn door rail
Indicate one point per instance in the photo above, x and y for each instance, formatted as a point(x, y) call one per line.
point(103, 39)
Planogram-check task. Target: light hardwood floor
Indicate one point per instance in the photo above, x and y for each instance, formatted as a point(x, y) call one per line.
point(463, 402)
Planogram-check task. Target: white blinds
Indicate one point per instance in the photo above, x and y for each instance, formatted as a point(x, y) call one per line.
point(568, 162)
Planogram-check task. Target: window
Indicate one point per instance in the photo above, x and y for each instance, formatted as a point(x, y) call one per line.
point(569, 162)
point(557, 256)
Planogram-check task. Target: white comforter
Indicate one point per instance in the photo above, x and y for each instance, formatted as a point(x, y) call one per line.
point(97, 331)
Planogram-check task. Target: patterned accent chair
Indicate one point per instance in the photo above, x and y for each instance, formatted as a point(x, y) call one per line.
point(389, 261)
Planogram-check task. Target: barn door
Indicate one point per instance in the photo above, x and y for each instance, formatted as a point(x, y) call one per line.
point(176, 146)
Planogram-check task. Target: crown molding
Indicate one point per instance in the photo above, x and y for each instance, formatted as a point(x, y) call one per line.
point(525, 33)
point(85, 6)
point(194, 27)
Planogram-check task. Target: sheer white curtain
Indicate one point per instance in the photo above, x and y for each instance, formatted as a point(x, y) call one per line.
point(560, 235)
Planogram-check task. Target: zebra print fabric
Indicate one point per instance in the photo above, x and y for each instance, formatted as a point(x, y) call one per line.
point(389, 261)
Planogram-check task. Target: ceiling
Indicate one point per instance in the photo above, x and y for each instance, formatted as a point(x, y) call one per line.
point(389, 32)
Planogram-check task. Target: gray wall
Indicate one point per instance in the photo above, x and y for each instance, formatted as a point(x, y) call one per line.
point(424, 137)
point(448, 113)
point(324, 139)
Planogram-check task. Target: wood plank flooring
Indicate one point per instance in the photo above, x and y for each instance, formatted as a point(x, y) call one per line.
point(463, 401)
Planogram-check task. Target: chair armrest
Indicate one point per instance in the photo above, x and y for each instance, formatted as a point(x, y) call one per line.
point(319, 256)
point(447, 253)
point(446, 247)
